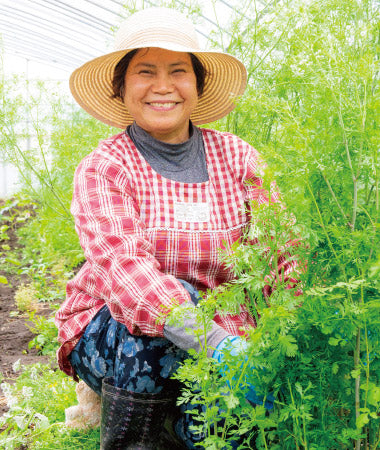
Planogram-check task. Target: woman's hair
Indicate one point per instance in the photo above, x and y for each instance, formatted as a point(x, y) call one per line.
point(118, 80)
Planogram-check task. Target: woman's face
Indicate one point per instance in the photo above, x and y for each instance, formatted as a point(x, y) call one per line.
point(161, 93)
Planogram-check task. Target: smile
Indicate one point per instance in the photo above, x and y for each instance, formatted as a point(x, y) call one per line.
point(162, 105)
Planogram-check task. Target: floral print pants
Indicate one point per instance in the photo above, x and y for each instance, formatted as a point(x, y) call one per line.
point(137, 363)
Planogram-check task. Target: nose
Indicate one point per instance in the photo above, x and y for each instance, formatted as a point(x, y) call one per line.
point(163, 83)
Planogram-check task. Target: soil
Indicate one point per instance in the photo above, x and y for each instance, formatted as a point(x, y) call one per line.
point(14, 332)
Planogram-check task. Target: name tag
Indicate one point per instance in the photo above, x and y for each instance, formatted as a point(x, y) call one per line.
point(191, 212)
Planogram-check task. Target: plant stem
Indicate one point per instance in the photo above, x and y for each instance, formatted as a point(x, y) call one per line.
point(357, 384)
point(324, 229)
point(264, 439)
point(377, 442)
point(367, 374)
point(355, 203)
point(294, 419)
point(251, 70)
point(354, 176)
point(333, 193)
point(40, 178)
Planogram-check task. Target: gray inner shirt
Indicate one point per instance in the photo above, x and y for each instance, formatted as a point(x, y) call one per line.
point(185, 162)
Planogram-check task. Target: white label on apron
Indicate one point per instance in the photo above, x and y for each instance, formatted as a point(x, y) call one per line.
point(191, 212)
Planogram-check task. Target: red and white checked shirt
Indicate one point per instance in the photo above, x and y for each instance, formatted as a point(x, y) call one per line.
point(141, 231)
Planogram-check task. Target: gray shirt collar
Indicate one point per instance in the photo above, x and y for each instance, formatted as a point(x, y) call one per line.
point(184, 162)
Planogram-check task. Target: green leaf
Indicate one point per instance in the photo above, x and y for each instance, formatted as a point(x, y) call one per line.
point(288, 343)
point(13, 261)
point(334, 341)
point(362, 420)
point(373, 396)
point(231, 401)
point(355, 373)
point(3, 280)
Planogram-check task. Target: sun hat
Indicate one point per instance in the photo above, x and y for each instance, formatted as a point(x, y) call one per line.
point(91, 84)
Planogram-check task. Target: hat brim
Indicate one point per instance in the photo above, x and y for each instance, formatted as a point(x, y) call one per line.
point(91, 86)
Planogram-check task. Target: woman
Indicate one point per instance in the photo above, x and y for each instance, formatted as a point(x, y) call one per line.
point(153, 205)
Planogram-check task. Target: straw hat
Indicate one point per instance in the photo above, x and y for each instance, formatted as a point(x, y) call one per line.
point(91, 84)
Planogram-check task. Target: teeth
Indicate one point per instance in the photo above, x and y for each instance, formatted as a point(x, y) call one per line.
point(163, 105)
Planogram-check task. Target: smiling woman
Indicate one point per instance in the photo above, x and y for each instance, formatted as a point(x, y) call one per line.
point(153, 206)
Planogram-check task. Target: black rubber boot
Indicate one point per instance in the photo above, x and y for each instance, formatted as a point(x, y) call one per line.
point(133, 421)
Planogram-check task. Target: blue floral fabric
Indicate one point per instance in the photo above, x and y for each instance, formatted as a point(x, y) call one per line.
point(137, 363)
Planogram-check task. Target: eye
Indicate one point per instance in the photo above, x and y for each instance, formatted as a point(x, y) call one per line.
point(179, 70)
point(145, 72)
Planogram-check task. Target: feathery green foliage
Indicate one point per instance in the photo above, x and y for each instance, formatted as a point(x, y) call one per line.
point(312, 109)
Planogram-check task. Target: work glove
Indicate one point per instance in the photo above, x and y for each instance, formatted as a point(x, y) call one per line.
point(235, 346)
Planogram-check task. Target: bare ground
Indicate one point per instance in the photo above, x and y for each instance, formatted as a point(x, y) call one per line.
point(14, 332)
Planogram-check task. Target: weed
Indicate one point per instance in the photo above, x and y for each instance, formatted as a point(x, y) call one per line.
point(45, 330)
point(37, 402)
point(26, 298)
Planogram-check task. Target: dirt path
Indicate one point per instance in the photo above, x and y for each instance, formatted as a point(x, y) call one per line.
point(14, 333)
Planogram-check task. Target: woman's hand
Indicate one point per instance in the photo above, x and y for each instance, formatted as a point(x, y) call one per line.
point(234, 346)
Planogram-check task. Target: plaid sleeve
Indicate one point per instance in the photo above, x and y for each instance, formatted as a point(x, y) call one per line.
point(124, 272)
point(287, 269)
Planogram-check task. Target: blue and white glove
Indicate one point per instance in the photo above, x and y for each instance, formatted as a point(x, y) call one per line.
point(235, 346)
